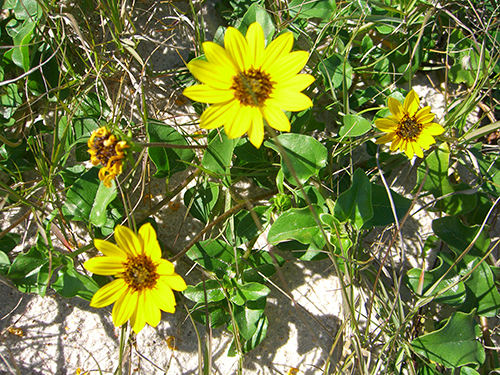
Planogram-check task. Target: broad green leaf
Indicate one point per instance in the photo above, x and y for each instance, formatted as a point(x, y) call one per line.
point(382, 211)
point(454, 296)
point(247, 229)
point(22, 39)
point(297, 224)
point(202, 199)
point(103, 198)
point(247, 317)
point(304, 153)
point(258, 14)
point(248, 292)
point(335, 69)
point(355, 204)
point(217, 313)
point(71, 283)
point(218, 155)
point(453, 345)
point(10, 101)
point(260, 263)
point(323, 9)
point(354, 126)
point(9, 242)
point(459, 236)
point(167, 160)
point(258, 336)
point(482, 292)
point(92, 105)
point(212, 288)
point(213, 255)
point(81, 196)
point(24, 9)
point(4, 263)
point(438, 183)
point(27, 264)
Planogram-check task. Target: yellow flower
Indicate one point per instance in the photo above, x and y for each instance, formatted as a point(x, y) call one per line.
point(105, 149)
point(246, 83)
point(143, 281)
point(409, 128)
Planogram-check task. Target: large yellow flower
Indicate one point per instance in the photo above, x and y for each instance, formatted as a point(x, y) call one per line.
point(409, 128)
point(144, 281)
point(246, 83)
point(105, 149)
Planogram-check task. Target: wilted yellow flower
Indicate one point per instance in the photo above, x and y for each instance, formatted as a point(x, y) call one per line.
point(105, 149)
point(143, 281)
point(409, 128)
point(246, 83)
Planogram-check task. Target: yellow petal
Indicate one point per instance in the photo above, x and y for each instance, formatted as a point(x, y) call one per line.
point(109, 293)
point(395, 107)
point(433, 129)
point(213, 75)
point(164, 267)
point(298, 82)
point(218, 115)
point(409, 150)
point(385, 125)
point(217, 55)
point(411, 104)
point(424, 116)
point(386, 138)
point(128, 240)
point(151, 311)
point(151, 245)
point(207, 94)
point(124, 307)
point(175, 282)
point(425, 140)
point(395, 143)
point(164, 297)
point(237, 47)
point(256, 130)
point(289, 100)
point(240, 123)
point(137, 319)
point(255, 40)
point(105, 265)
point(287, 66)
point(280, 46)
point(276, 119)
point(417, 149)
point(109, 249)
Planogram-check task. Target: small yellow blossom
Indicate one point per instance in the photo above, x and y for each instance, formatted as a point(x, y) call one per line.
point(143, 281)
point(247, 83)
point(105, 149)
point(409, 128)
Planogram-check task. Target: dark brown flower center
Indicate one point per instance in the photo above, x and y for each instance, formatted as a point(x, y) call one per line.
point(252, 87)
point(140, 273)
point(408, 128)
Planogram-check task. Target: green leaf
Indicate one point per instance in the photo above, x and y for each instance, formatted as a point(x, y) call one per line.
point(453, 345)
point(382, 211)
point(355, 204)
point(9, 242)
point(202, 199)
point(4, 263)
point(103, 198)
point(247, 317)
point(247, 229)
point(335, 69)
point(304, 153)
point(248, 292)
point(459, 236)
point(218, 155)
point(217, 314)
point(454, 296)
point(482, 292)
point(10, 101)
point(297, 224)
point(438, 184)
point(81, 196)
point(21, 37)
point(256, 13)
point(258, 336)
point(214, 255)
point(323, 9)
point(71, 283)
point(261, 263)
point(167, 160)
point(24, 9)
point(354, 126)
point(213, 289)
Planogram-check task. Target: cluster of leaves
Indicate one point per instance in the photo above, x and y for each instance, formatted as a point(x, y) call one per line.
point(317, 199)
